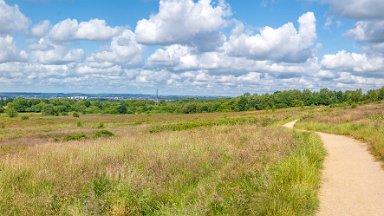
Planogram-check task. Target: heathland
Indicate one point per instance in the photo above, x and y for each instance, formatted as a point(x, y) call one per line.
point(158, 164)
point(221, 163)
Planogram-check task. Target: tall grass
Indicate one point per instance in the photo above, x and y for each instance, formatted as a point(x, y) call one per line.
point(292, 184)
point(236, 168)
point(365, 123)
point(207, 171)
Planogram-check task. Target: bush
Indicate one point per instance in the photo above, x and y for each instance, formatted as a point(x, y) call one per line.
point(76, 115)
point(103, 133)
point(11, 112)
point(49, 110)
point(75, 137)
point(101, 125)
point(24, 117)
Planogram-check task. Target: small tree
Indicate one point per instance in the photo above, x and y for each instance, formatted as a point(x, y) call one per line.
point(49, 110)
point(122, 109)
point(11, 112)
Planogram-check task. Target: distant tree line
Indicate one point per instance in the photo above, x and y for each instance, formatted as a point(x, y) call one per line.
point(246, 102)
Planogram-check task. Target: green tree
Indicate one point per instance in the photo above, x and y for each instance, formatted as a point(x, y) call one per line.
point(122, 109)
point(10, 110)
point(49, 110)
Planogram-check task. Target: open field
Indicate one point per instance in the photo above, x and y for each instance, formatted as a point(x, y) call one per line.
point(365, 123)
point(197, 164)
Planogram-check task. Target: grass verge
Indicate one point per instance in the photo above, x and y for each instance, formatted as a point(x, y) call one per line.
point(365, 123)
point(291, 186)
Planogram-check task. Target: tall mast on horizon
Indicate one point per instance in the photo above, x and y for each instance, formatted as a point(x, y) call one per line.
point(157, 96)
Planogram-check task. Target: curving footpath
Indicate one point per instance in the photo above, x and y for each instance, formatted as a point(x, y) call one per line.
point(352, 181)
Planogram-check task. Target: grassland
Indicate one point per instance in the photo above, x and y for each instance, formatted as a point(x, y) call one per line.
point(197, 164)
point(365, 123)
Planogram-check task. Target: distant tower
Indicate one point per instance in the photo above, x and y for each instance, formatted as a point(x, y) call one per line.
point(157, 96)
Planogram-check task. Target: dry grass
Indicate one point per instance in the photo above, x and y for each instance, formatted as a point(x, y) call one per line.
point(212, 170)
point(138, 174)
point(364, 122)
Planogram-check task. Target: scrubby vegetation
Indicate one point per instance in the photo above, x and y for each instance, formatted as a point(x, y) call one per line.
point(364, 122)
point(204, 164)
point(246, 102)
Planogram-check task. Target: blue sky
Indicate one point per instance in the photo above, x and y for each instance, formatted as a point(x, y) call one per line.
point(199, 47)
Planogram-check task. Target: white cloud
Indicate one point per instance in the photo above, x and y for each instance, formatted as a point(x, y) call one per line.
point(41, 29)
point(123, 50)
point(173, 55)
point(8, 50)
point(353, 62)
point(351, 81)
point(282, 44)
point(11, 19)
point(108, 70)
point(58, 55)
point(369, 31)
point(46, 52)
point(94, 29)
point(180, 21)
point(357, 9)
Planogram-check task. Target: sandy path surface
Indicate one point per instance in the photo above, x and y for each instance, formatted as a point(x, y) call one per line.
point(352, 181)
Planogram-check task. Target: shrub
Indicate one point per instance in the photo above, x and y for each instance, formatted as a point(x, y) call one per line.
point(11, 112)
point(49, 110)
point(24, 117)
point(103, 133)
point(75, 137)
point(101, 125)
point(266, 121)
point(76, 115)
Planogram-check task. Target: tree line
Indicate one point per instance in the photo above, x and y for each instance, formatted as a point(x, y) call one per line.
point(245, 102)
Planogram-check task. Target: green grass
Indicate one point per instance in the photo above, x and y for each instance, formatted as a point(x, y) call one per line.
point(229, 164)
point(292, 184)
point(365, 123)
point(72, 137)
point(202, 123)
point(103, 133)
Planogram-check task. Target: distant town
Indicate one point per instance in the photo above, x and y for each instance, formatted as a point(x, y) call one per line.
point(83, 96)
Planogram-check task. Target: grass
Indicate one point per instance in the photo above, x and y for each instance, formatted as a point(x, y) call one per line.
point(292, 184)
point(202, 123)
point(219, 164)
point(365, 123)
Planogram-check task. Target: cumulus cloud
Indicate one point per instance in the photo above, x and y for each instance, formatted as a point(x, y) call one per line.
point(180, 21)
point(8, 50)
point(58, 55)
point(123, 50)
point(281, 44)
point(94, 29)
point(357, 9)
point(117, 69)
point(371, 32)
point(179, 58)
point(41, 29)
point(11, 19)
point(46, 52)
point(353, 62)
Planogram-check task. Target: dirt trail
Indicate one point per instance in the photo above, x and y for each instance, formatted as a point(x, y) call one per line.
point(352, 181)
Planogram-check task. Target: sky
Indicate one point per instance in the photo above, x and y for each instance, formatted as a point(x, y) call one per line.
point(190, 47)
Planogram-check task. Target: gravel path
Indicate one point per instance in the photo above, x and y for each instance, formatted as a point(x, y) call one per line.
point(352, 181)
